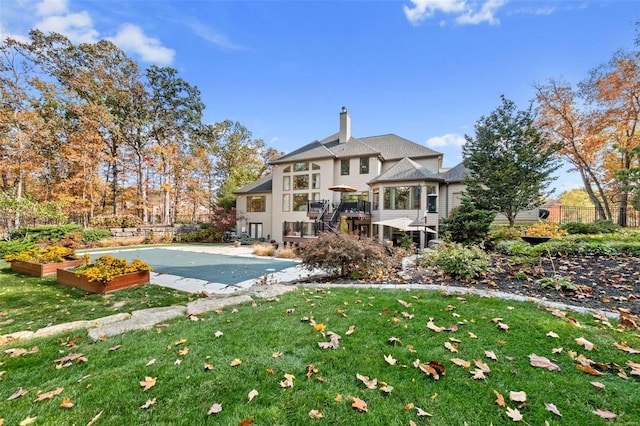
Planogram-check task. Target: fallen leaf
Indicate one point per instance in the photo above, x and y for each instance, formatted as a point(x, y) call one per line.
point(552, 408)
point(605, 414)
point(177, 362)
point(17, 394)
point(288, 381)
point(403, 303)
point(148, 383)
point(315, 414)
point(589, 370)
point(598, 385)
point(584, 342)
point(390, 360)
point(552, 334)
point(151, 362)
point(422, 413)
point(181, 342)
point(28, 421)
point(215, 409)
point(338, 398)
point(432, 326)
point(114, 348)
point(502, 326)
point(478, 374)
point(350, 331)
point(451, 346)
point(472, 336)
point(358, 404)
point(66, 403)
point(183, 351)
point(333, 343)
point(461, 362)
point(394, 341)
point(148, 404)
point(556, 350)
point(95, 418)
point(514, 414)
point(491, 355)
point(49, 395)
point(218, 334)
point(235, 362)
point(482, 366)
point(246, 422)
point(369, 383)
point(518, 396)
point(542, 362)
point(499, 398)
point(276, 355)
point(252, 395)
point(624, 346)
point(208, 367)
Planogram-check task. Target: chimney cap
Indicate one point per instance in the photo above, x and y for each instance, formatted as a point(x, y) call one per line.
point(344, 109)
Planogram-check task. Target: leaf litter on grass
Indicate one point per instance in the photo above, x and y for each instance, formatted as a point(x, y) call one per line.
point(393, 357)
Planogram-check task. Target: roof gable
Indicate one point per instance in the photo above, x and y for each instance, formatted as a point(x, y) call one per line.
point(264, 184)
point(407, 170)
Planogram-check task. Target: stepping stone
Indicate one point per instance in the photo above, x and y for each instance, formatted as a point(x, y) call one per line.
point(209, 304)
point(140, 320)
point(271, 291)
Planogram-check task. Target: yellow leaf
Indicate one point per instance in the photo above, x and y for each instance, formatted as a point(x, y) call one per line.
point(183, 351)
point(181, 342)
point(28, 421)
point(499, 398)
point(350, 331)
point(236, 362)
point(319, 327)
point(338, 398)
point(148, 383)
point(66, 403)
point(461, 362)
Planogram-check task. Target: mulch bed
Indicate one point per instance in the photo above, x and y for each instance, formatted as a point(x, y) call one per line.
point(604, 283)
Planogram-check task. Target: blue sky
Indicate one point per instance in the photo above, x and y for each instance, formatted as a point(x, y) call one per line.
point(426, 70)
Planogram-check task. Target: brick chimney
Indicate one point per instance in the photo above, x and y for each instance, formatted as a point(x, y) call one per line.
point(345, 125)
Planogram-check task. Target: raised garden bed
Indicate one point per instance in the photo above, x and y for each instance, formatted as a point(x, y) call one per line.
point(77, 280)
point(42, 269)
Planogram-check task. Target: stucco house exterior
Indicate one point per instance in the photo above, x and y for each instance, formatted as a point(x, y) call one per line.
point(377, 185)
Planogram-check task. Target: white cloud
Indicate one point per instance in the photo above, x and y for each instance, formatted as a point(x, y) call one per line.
point(77, 27)
point(465, 12)
point(51, 7)
point(132, 39)
point(216, 38)
point(448, 140)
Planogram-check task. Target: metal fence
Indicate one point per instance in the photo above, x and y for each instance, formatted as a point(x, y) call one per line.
point(562, 214)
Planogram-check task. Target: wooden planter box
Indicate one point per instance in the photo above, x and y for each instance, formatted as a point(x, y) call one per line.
point(42, 269)
point(72, 279)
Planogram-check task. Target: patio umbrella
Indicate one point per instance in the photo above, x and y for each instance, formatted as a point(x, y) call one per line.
point(419, 223)
point(401, 223)
point(342, 188)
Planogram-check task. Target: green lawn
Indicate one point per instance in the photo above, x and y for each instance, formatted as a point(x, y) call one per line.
point(192, 367)
point(30, 303)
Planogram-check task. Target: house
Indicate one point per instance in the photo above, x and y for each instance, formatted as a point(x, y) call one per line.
point(375, 185)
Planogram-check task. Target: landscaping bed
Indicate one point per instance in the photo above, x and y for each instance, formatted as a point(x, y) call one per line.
point(604, 282)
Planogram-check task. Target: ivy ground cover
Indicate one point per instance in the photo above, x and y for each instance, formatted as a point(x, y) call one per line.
point(336, 356)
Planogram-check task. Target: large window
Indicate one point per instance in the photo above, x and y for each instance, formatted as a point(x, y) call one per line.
point(286, 202)
point(364, 165)
point(376, 198)
point(300, 202)
point(300, 181)
point(344, 167)
point(257, 203)
point(402, 198)
point(315, 181)
point(286, 183)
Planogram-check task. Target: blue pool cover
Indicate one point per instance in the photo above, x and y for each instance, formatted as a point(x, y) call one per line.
point(211, 267)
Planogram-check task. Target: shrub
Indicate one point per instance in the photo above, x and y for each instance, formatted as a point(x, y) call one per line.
point(52, 254)
point(52, 233)
point(244, 239)
point(15, 246)
point(545, 229)
point(126, 221)
point(457, 260)
point(91, 235)
point(467, 224)
point(600, 226)
point(346, 255)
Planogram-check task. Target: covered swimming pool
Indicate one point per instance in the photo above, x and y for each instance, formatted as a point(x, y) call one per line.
point(202, 264)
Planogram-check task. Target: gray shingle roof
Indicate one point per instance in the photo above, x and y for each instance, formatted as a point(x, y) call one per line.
point(455, 174)
point(388, 147)
point(407, 170)
point(264, 184)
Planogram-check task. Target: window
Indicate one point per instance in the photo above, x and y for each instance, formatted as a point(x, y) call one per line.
point(286, 202)
point(301, 167)
point(301, 182)
point(287, 169)
point(286, 183)
point(364, 165)
point(300, 202)
point(376, 199)
point(257, 203)
point(255, 230)
point(315, 166)
point(315, 196)
point(315, 179)
point(344, 167)
point(402, 198)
